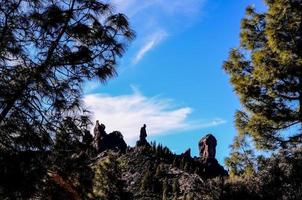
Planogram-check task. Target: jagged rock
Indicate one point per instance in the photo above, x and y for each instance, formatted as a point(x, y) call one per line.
point(114, 141)
point(207, 146)
point(99, 130)
point(103, 141)
point(187, 153)
point(142, 137)
point(207, 151)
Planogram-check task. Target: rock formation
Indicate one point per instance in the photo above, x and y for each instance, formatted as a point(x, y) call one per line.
point(103, 141)
point(142, 137)
point(207, 146)
point(99, 135)
point(187, 153)
point(207, 151)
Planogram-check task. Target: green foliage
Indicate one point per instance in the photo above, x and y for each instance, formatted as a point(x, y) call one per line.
point(242, 160)
point(147, 181)
point(278, 177)
point(159, 171)
point(166, 189)
point(175, 187)
point(107, 180)
point(47, 50)
point(266, 74)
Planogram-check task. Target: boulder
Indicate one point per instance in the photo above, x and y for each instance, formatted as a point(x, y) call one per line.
point(103, 141)
point(207, 147)
point(113, 141)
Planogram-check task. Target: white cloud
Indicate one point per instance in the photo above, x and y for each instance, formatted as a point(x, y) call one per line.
point(154, 40)
point(91, 86)
point(154, 19)
point(136, 7)
point(127, 113)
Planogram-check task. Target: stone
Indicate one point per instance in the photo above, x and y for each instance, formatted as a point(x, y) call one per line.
point(103, 141)
point(187, 153)
point(142, 137)
point(99, 130)
point(207, 147)
point(113, 141)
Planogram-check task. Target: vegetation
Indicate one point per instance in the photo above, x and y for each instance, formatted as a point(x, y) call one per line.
point(49, 48)
point(266, 74)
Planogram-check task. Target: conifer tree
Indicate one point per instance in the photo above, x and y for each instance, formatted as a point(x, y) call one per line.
point(47, 50)
point(175, 187)
point(166, 189)
point(146, 183)
point(159, 171)
point(242, 159)
point(174, 164)
point(266, 72)
point(107, 183)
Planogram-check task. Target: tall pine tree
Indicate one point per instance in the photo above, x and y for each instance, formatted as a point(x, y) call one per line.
point(266, 72)
point(47, 50)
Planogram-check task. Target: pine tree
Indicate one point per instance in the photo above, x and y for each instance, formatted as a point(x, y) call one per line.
point(182, 163)
point(175, 187)
point(165, 195)
point(166, 189)
point(107, 183)
point(266, 73)
point(159, 171)
point(146, 183)
point(47, 50)
point(187, 166)
point(174, 164)
point(242, 160)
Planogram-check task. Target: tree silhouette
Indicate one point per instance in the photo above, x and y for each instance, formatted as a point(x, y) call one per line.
point(47, 50)
point(266, 74)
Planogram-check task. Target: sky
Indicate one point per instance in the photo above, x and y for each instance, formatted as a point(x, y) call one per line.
point(171, 76)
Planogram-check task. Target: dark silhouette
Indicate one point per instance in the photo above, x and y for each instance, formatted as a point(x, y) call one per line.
point(103, 141)
point(70, 41)
point(87, 138)
point(143, 133)
point(99, 135)
point(187, 153)
point(142, 137)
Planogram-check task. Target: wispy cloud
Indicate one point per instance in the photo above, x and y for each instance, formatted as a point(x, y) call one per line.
point(154, 40)
point(127, 113)
point(136, 7)
point(153, 20)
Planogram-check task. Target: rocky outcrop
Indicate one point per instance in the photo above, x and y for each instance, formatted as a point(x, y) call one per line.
point(187, 153)
point(207, 146)
point(103, 141)
point(142, 137)
point(207, 151)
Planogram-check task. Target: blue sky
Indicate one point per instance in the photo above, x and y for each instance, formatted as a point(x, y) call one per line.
point(171, 76)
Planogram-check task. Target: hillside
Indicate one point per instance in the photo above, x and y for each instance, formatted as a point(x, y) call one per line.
point(104, 167)
point(146, 171)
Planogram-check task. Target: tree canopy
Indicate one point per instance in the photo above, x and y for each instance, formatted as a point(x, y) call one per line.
point(266, 72)
point(47, 50)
